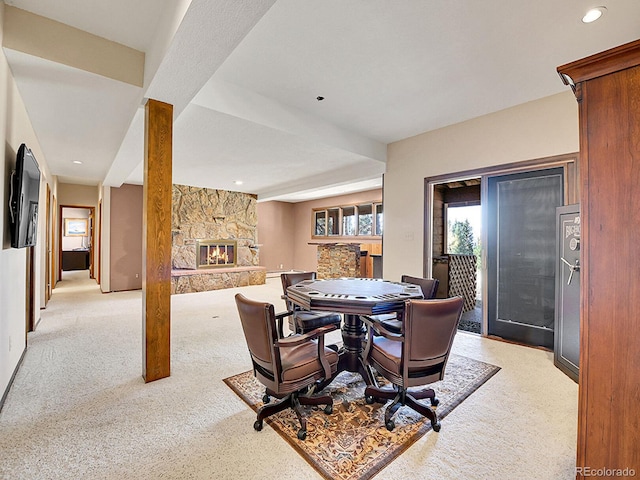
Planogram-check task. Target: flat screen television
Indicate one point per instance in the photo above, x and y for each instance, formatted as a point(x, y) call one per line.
point(23, 203)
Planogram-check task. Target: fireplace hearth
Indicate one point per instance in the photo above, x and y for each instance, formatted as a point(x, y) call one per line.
point(216, 253)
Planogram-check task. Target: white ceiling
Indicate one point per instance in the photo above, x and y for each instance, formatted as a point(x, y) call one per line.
point(244, 76)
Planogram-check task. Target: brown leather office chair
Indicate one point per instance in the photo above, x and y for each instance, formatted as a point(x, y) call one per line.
point(303, 321)
point(287, 367)
point(393, 321)
point(416, 357)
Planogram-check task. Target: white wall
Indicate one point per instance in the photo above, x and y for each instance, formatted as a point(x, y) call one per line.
point(538, 129)
point(15, 128)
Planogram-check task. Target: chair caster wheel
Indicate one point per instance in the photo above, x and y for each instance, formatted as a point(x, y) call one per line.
point(369, 399)
point(266, 398)
point(435, 402)
point(390, 425)
point(257, 425)
point(328, 409)
point(436, 427)
point(302, 434)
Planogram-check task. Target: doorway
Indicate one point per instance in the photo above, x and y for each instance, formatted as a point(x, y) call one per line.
point(457, 246)
point(440, 204)
point(77, 239)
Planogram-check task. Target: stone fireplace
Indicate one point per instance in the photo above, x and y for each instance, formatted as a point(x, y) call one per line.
point(215, 238)
point(216, 253)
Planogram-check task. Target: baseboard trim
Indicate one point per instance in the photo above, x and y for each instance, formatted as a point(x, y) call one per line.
point(13, 376)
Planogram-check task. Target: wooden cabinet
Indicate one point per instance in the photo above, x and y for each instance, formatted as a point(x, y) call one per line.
point(367, 262)
point(75, 260)
point(607, 86)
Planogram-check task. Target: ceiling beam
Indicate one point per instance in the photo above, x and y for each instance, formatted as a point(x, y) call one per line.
point(31, 34)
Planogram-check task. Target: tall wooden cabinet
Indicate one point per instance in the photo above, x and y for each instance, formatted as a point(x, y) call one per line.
point(607, 87)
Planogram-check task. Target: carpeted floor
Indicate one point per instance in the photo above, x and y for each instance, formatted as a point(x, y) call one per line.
point(79, 409)
point(352, 443)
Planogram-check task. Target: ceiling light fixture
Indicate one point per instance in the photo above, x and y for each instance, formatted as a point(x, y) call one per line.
point(594, 14)
point(238, 182)
point(77, 162)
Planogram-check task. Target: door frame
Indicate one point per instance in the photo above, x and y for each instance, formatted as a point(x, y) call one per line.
point(92, 248)
point(570, 163)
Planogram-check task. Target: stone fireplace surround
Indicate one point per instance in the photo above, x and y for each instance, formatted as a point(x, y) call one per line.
point(202, 213)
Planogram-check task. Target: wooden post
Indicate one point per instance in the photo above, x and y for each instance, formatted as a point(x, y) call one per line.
point(156, 281)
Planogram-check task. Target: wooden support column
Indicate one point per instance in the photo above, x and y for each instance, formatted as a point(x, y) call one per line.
point(156, 281)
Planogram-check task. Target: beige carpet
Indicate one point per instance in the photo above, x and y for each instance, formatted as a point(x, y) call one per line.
point(79, 409)
point(352, 443)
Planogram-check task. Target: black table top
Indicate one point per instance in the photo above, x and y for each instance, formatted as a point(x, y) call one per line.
point(365, 296)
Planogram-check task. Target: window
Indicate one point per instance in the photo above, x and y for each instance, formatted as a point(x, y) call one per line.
point(334, 221)
point(364, 220)
point(320, 223)
point(463, 229)
point(379, 222)
point(349, 220)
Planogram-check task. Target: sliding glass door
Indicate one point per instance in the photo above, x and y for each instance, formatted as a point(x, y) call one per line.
point(521, 250)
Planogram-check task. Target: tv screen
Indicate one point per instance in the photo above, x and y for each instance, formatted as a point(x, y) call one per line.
point(25, 190)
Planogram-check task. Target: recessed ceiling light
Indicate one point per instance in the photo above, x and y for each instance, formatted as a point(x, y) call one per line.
point(594, 14)
point(238, 182)
point(77, 162)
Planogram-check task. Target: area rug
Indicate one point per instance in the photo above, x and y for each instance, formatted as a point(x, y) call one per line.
point(353, 443)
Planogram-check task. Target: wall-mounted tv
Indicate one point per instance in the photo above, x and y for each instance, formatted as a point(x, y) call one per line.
point(23, 204)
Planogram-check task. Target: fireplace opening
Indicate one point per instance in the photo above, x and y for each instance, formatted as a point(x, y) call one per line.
point(216, 253)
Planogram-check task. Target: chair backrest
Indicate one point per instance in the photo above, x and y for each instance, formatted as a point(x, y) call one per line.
point(259, 325)
point(429, 286)
point(430, 326)
point(291, 278)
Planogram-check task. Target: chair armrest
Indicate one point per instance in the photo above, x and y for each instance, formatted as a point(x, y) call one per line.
point(312, 335)
point(282, 315)
point(295, 340)
point(380, 330)
point(280, 321)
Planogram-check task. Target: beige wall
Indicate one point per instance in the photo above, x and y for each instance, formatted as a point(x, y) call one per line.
point(284, 230)
point(77, 195)
point(15, 128)
point(538, 129)
point(126, 238)
point(276, 223)
point(305, 255)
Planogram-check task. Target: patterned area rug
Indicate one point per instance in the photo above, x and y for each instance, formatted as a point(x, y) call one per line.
point(353, 443)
